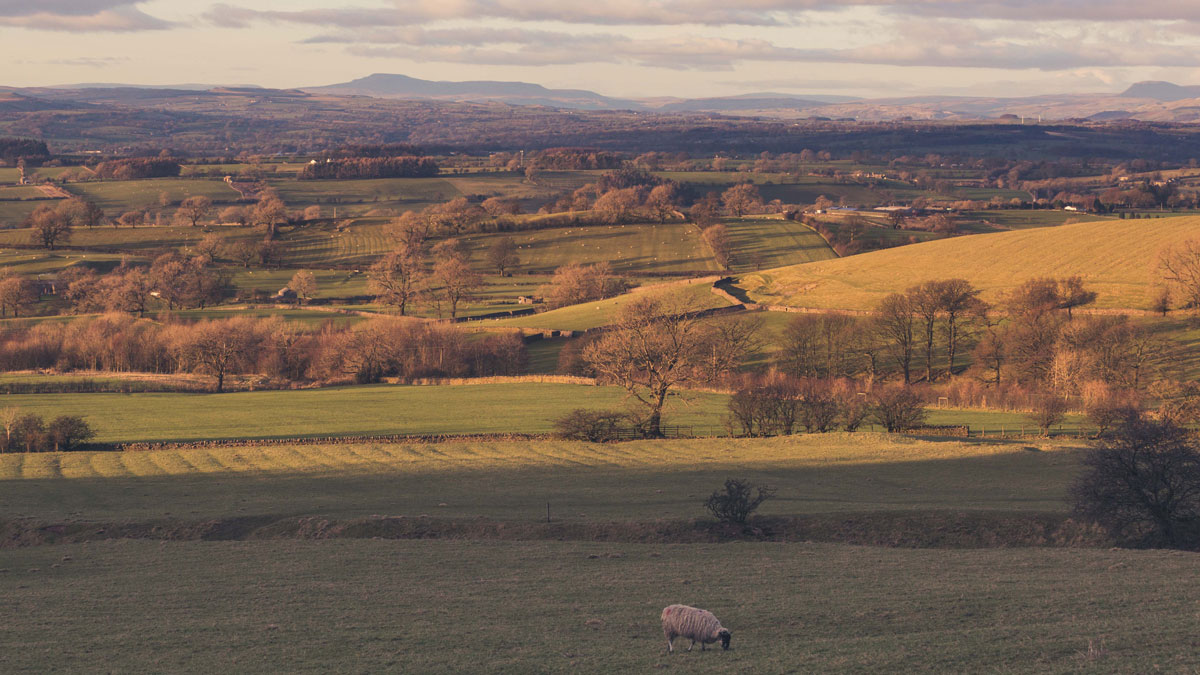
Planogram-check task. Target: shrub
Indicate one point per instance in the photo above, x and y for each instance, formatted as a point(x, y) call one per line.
point(854, 411)
point(1048, 410)
point(818, 406)
point(898, 409)
point(1143, 485)
point(737, 501)
point(28, 434)
point(68, 432)
point(596, 426)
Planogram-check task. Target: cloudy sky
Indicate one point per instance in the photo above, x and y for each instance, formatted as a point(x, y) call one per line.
point(616, 47)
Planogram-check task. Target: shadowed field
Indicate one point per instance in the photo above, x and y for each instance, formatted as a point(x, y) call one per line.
point(434, 606)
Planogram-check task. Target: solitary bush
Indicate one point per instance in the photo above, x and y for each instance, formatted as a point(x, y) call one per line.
point(1048, 410)
point(738, 501)
point(596, 426)
point(1143, 485)
point(898, 409)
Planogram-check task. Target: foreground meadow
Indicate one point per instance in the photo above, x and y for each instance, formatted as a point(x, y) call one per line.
point(460, 606)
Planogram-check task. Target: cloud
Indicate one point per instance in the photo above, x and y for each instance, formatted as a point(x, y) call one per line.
point(706, 12)
point(78, 16)
point(957, 44)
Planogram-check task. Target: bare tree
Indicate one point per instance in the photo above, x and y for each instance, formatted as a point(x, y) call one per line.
point(194, 209)
point(16, 294)
point(50, 226)
point(304, 285)
point(221, 347)
point(1180, 266)
point(741, 199)
point(397, 278)
point(502, 255)
point(896, 324)
point(1142, 485)
point(653, 346)
point(456, 282)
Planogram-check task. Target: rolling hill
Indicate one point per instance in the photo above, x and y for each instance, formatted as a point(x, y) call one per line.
point(1116, 258)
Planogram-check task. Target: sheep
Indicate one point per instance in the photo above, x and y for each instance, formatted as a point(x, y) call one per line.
point(697, 624)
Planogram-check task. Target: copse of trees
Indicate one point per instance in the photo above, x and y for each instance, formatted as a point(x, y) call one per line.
point(30, 433)
point(370, 167)
point(13, 150)
point(174, 280)
point(576, 159)
point(576, 283)
point(137, 168)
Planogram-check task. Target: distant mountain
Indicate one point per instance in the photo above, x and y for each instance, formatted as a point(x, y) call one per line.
point(742, 104)
point(1161, 91)
point(184, 87)
point(383, 85)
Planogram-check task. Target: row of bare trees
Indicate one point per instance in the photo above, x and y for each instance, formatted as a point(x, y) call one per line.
point(288, 352)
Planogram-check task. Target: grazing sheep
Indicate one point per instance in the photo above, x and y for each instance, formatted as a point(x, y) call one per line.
point(697, 624)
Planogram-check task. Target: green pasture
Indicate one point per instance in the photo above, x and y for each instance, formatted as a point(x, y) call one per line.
point(26, 262)
point(558, 607)
point(601, 312)
point(345, 411)
point(763, 242)
point(633, 248)
point(134, 239)
point(1019, 219)
point(116, 197)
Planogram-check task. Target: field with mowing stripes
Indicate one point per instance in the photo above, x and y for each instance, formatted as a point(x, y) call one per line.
point(832, 473)
point(601, 312)
point(1116, 258)
point(760, 243)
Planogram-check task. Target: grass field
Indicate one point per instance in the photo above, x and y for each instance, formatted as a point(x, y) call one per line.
point(348, 411)
point(601, 312)
point(116, 197)
point(50, 262)
point(766, 242)
point(132, 239)
point(1020, 219)
point(444, 606)
point(633, 248)
point(1115, 258)
point(434, 606)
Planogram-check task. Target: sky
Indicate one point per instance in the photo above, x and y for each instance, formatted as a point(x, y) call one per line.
point(633, 48)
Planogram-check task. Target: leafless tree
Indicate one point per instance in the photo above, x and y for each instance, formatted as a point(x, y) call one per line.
point(194, 209)
point(653, 346)
point(1143, 485)
point(1180, 266)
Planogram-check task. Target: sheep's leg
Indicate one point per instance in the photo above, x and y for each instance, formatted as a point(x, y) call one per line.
point(702, 647)
point(670, 643)
point(692, 645)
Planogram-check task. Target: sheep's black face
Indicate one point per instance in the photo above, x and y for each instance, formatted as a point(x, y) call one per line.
point(725, 636)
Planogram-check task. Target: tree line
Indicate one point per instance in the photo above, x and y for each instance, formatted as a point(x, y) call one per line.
point(370, 167)
point(285, 352)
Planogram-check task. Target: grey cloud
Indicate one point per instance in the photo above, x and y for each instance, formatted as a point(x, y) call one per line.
point(938, 45)
point(78, 15)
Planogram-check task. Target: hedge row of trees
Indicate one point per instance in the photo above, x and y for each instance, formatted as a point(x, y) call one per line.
point(30, 433)
point(288, 352)
point(371, 167)
point(138, 167)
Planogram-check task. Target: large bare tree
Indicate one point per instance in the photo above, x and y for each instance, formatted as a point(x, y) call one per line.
point(653, 346)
